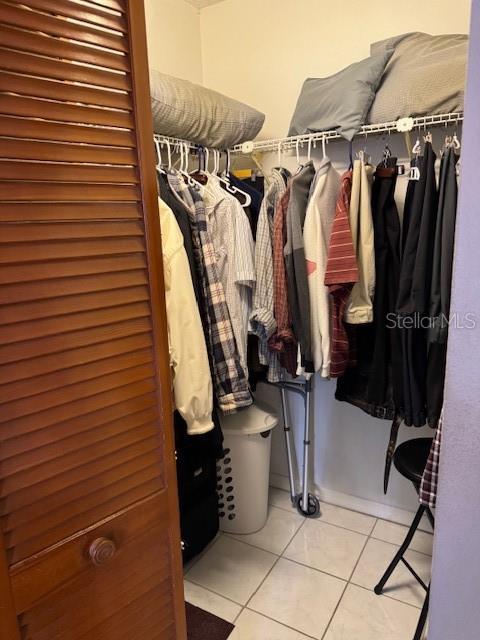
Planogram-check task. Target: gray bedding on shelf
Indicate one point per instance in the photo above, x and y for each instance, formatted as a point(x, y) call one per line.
point(182, 109)
point(424, 76)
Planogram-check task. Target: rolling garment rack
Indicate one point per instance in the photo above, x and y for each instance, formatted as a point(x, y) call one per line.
point(307, 503)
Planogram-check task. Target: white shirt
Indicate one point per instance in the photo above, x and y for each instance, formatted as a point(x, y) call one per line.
point(234, 247)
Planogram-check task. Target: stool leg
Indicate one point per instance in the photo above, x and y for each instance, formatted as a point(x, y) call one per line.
point(423, 617)
point(398, 556)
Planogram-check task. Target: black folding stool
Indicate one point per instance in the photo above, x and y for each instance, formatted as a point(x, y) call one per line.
point(410, 459)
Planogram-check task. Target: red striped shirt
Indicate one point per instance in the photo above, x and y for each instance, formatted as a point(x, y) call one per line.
point(340, 276)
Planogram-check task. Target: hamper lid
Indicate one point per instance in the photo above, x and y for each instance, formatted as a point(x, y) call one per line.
point(257, 418)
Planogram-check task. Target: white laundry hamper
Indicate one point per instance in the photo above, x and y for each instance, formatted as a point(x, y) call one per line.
point(243, 473)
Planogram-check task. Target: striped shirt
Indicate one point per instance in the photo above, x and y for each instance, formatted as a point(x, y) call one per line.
point(340, 276)
point(230, 383)
point(262, 319)
point(232, 238)
point(283, 340)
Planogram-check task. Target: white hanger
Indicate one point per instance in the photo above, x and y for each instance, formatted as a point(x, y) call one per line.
point(169, 151)
point(279, 151)
point(324, 148)
point(297, 151)
point(414, 172)
point(309, 150)
point(158, 166)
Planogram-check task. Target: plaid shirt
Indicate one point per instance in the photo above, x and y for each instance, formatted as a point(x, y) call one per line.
point(262, 319)
point(340, 276)
point(429, 483)
point(283, 340)
point(230, 383)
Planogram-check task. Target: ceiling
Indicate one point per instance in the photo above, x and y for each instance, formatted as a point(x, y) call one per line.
point(200, 4)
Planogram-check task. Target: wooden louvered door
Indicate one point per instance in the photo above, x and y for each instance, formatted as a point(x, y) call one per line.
point(89, 535)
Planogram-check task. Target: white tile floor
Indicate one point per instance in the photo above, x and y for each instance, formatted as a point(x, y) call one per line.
point(298, 579)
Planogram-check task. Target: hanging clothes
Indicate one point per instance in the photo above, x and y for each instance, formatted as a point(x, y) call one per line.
point(182, 217)
point(230, 383)
point(360, 304)
point(283, 340)
point(230, 232)
point(441, 284)
point(414, 290)
point(192, 382)
point(370, 384)
point(262, 318)
point(384, 384)
point(340, 276)
point(256, 196)
point(295, 266)
point(209, 444)
point(316, 235)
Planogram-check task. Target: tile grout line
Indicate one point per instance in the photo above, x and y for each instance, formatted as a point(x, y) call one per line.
point(197, 584)
point(282, 624)
point(333, 524)
point(348, 581)
point(370, 535)
point(272, 567)
point(383, 595)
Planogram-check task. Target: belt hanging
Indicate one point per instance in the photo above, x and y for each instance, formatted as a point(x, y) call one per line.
point(397, 421)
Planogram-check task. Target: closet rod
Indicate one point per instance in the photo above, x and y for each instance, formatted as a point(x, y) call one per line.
point(402, 125)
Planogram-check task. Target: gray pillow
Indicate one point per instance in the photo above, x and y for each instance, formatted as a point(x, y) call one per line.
point(425, 76)
point(341, 101)
point(185, 110)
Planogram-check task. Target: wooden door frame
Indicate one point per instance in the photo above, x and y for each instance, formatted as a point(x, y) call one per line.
point(146, 160)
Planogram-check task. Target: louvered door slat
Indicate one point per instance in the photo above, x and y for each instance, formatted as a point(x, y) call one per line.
point(70, 443)
point(21, 128)
point(18, 61)
point(116, 5)
point(86, 447)
point(84, 12)
point(24, 292)
point(67, 172)
point(58, 152)
point(18, 16)
point(54, 47)
point(55, 90)
point(32, 367)
point(22, 212)
point(62, 305)
point(25, 506)
point(38, 108)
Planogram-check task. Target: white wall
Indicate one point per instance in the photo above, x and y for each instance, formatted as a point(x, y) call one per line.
point(173, 38)
point(260, 52)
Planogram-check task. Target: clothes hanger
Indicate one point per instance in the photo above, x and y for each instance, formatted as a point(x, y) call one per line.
point(414, 172)
point(297, 153)
point(324, 147)
point(158, 165)
point(309, 150)
point(231, 188)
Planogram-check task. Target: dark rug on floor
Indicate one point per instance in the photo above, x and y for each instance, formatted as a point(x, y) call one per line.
point(202, 625)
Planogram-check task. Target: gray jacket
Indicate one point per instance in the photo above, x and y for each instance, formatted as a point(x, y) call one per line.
point(297, 283)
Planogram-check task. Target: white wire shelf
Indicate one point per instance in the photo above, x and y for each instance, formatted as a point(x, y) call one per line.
point(398, 126)
point(291, 142)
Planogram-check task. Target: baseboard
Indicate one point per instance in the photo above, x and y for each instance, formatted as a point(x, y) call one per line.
point(376, 509)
